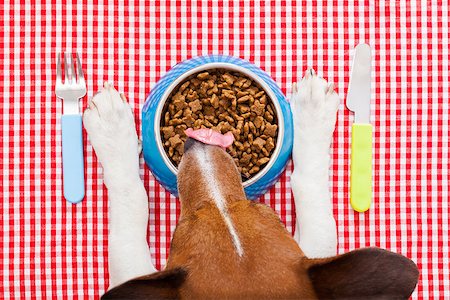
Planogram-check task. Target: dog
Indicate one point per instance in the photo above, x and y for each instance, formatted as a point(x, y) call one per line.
point(224, 245)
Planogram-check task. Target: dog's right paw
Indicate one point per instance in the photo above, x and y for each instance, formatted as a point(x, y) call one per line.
point(314, 105)
point(110, 125)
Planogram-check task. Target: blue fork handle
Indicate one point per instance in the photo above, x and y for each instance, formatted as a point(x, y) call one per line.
point(72, 154)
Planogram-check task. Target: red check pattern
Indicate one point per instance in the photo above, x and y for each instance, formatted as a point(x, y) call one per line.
point(52, 249)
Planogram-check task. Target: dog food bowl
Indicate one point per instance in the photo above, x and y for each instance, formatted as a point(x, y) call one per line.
point(157, 159)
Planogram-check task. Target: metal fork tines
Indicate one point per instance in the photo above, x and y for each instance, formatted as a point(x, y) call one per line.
point(74, 86)
point(71, 90)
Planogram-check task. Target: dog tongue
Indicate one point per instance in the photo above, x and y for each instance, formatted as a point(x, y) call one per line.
point(211, 137)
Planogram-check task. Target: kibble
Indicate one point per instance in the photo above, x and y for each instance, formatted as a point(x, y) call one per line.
point(223, 101)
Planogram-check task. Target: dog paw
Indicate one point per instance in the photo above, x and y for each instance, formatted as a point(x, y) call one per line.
point(314, 105)
point(110, 125)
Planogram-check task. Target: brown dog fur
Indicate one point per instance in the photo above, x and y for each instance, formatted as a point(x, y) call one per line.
point(203, 262)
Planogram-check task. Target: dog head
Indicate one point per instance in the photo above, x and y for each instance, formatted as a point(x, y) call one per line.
point(369, 273)
point(205, 261)
point(204, 172)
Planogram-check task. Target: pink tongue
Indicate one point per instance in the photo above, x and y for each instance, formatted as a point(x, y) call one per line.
point(211, 137)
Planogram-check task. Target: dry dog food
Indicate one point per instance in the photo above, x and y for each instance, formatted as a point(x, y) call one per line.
point(223, 101)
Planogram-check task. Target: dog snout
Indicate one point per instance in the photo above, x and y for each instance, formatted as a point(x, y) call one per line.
point(190, 142)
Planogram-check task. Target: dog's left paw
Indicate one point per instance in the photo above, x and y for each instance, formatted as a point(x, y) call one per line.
point(314, 105)
point(110, 125)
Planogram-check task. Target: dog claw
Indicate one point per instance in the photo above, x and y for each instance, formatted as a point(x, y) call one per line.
point(307, 74)
point(330, 88)
point(139, 146)
point(92, 105)
point(294, 88)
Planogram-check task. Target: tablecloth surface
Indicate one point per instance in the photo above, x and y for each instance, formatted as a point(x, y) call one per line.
point(52, 249)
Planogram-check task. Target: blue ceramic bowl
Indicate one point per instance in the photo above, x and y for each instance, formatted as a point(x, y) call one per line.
point(154, 154)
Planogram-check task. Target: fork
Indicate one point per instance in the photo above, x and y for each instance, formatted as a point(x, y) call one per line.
point(71, 90)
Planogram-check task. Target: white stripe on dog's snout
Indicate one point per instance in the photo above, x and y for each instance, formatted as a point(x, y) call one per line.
point(213, 187)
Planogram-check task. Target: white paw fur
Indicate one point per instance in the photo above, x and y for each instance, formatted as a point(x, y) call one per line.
point(314, 105)
point(111, 129)
point(109, 122)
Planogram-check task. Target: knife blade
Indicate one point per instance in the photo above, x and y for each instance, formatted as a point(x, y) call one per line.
point(358, 94)
point(358, 101)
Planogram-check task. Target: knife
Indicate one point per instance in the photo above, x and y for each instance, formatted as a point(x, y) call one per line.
point(358, 101)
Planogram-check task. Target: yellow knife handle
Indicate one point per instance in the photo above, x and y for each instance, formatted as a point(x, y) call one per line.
point(361, 167)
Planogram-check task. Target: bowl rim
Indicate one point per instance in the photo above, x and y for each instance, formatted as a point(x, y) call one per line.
point(236, 68)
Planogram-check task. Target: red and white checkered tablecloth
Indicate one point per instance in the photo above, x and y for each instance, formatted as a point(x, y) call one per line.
point(52, 249)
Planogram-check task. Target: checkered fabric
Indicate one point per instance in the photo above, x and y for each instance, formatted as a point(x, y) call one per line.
point(53, 249)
